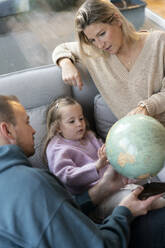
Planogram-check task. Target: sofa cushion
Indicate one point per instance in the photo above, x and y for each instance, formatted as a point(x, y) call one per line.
point(38, 122)
point(104, 118)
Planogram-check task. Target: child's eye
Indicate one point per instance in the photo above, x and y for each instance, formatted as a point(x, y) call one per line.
point(71, 121)
point(103, 33)
point(82, 118)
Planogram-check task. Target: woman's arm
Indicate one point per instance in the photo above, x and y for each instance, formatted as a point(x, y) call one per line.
point(152, 106)
point(65, 56)
point(155, 104)
point(66, 50)
point(70, 73)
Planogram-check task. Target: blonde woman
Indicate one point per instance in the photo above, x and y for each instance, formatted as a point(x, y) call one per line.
point(127, 66)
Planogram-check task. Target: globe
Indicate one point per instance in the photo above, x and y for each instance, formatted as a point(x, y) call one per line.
point(135, 146)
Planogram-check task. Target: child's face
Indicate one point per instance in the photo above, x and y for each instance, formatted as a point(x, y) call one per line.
point(72, 125)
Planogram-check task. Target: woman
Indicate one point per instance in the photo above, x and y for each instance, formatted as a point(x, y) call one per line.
point(127, 66)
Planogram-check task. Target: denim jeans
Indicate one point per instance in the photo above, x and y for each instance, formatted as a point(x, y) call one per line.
point(149, 230)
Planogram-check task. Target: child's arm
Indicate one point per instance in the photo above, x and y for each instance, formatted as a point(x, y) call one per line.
point(68, 165)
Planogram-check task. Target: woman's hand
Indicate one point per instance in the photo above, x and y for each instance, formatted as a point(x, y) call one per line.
point(139, 110)
point(70, 74)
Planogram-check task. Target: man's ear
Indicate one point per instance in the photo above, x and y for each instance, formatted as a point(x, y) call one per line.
point(7, 131)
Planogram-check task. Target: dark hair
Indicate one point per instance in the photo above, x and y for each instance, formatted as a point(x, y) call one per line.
point(6, 109)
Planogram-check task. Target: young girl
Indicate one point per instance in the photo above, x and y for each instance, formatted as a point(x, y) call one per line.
point(74, 153)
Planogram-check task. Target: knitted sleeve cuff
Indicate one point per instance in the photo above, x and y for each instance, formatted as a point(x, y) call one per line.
point(150, 108)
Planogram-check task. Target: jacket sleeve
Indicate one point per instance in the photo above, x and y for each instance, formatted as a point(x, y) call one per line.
point(84, 202)
point(58, 221)
point(77, 230)
point(66, 50)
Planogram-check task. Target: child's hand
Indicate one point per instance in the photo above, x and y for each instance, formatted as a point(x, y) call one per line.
point(102, 161)
point(102, 153)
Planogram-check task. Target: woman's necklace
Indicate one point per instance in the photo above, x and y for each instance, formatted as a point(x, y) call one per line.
point(127, 60)
point(129, 56)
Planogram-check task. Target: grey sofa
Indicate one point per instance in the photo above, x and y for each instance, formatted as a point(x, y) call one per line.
point(36, 88)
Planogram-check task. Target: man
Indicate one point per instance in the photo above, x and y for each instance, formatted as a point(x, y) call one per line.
point(35, 208)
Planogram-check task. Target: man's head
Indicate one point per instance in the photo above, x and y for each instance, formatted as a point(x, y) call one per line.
point(14, 125)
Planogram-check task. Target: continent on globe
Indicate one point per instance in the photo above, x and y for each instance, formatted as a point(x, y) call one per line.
point(125, 158)
point(135, 146)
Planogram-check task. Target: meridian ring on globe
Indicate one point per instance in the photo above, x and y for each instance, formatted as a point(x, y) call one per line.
point(135, 146)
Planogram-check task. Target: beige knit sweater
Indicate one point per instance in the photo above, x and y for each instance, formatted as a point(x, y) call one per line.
point(123, 90)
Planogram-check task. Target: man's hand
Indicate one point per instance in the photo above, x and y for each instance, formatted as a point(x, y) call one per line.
point(70, 74)
point(136, 206)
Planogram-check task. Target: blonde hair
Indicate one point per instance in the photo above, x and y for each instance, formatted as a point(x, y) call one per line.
point(53, 118)
point(100, 11)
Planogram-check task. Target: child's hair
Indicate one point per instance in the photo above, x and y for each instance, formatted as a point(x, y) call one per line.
point(53, 118)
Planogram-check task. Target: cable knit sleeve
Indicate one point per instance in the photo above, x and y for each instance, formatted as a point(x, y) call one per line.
point(66, 50)
point(155, 103)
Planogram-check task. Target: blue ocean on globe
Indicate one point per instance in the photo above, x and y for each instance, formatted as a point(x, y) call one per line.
point(135, 146)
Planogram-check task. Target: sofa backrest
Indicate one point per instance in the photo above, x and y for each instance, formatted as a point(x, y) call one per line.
point(36, 88)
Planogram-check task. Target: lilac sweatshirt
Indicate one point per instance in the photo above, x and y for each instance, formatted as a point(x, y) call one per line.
point(74, 162)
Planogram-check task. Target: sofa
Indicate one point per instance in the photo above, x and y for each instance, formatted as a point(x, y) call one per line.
point(36, 88)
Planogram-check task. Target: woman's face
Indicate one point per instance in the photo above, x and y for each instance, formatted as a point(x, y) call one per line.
point(107, 37)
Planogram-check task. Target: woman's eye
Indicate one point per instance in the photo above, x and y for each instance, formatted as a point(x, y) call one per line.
point(92, 41)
